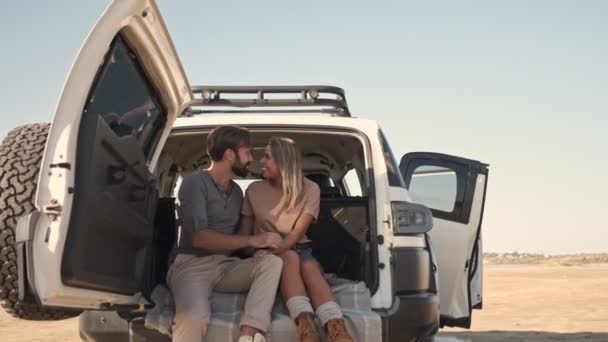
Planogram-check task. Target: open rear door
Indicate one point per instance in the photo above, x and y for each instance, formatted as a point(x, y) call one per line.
point(454, 189)
point(97, 195)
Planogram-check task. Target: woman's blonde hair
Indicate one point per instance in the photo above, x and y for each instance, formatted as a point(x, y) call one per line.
point(288, 157)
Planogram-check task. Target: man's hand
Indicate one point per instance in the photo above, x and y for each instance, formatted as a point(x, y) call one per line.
point(266, 240)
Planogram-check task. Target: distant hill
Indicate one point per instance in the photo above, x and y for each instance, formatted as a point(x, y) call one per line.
point(532, 258)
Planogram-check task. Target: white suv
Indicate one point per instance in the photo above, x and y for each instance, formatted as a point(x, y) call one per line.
point(87, 205)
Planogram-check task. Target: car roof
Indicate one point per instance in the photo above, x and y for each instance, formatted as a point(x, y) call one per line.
point(306, 120)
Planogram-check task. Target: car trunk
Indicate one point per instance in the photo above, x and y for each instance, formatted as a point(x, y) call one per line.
point(341, 237)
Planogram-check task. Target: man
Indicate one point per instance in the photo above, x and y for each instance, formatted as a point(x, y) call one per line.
point(211, 204)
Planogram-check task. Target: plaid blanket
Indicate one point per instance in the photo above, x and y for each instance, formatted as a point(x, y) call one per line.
point(353, 297)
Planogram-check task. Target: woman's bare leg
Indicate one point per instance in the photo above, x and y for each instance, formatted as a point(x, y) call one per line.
point(291, 281)
point(294, 294)
point(316, 285)
point(328, 311)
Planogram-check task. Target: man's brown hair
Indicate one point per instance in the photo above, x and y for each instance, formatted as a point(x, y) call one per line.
point(226, 137)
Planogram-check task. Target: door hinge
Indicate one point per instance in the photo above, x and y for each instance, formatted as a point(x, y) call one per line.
point(53, 209)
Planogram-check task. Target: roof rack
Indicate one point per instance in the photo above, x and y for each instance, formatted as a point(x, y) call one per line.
point(309, 99)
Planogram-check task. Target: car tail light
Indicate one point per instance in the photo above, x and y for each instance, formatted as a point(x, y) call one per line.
point(411, 218)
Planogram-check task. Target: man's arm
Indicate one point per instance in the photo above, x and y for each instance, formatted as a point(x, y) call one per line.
point(193, 199)
point(211, 240)
point(246, 229)
point(245, 225)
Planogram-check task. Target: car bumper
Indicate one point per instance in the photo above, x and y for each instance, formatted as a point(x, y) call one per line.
point(108, 326)
point(411, 317)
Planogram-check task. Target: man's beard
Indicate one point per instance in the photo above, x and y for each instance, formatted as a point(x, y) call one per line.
point(239, 169)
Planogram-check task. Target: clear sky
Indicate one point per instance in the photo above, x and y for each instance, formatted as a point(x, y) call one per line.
point(522, 85)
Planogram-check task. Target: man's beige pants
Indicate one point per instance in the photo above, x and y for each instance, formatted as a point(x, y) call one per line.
point(192, 280)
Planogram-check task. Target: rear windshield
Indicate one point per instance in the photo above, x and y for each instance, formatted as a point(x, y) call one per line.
point(124, 97)
point(392, 168)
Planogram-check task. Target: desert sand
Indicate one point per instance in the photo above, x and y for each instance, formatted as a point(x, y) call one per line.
point(544, 301)
point(541, 302)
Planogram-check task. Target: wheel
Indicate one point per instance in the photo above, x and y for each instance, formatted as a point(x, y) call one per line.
point(20, 157)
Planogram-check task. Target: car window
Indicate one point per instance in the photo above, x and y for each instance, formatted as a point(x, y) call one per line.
point(244, 183)
point(434, 187)
point(353, 183)
point(392, 168)
point(178, 184)
point(125, 100)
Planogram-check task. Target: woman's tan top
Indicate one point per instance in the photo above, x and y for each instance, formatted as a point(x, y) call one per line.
point(265, 203)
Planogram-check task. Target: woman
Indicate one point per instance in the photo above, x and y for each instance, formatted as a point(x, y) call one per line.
point(287, 203)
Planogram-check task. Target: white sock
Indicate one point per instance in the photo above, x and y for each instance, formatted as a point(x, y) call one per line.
point(329, 311)
point(298, 304)
point(257, 338)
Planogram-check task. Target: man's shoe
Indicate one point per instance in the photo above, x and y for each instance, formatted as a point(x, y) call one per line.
point(306, 328)
point(257, 338)
point(336, 331)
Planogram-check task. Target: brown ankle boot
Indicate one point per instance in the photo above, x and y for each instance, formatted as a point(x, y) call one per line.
point(336, 331)
point(306, 328)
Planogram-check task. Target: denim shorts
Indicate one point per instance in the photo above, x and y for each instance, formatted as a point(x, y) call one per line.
point(304, 251)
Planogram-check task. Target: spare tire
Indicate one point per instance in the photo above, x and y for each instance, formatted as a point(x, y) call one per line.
point(20, 158)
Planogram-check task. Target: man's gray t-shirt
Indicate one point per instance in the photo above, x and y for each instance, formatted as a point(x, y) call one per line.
point(204, 205)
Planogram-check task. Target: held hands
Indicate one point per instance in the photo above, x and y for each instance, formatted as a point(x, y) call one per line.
point(282, 248)
point(271, 241)
point(267, 243)
point(260, 253)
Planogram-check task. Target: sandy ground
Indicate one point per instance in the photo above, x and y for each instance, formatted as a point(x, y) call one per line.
point(545, 302)
point(521, 303)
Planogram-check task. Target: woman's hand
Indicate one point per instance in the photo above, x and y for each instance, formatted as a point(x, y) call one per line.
point(282, 248)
